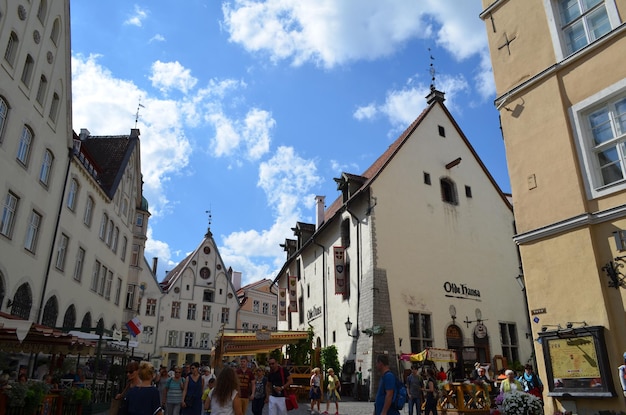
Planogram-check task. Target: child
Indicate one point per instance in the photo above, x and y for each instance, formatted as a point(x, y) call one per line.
point(205, 394)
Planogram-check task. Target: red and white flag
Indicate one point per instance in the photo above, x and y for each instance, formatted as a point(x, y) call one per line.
point(134, 327)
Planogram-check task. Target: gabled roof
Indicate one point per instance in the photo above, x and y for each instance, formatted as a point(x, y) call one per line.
point(111, 155)
point(374, 170)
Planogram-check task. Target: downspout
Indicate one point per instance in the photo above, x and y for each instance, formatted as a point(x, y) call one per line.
point(358, 266)
point(54, 238)
point(324, 290)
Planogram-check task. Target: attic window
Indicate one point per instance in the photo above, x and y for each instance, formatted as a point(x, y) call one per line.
point(468, 191)
point(448, 191)
point(442, 131)
point(427, 178)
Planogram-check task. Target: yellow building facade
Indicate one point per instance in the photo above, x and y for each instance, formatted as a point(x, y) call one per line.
point(561, 93)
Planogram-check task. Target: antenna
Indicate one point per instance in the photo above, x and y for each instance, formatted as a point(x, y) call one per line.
point(432, 71)
point(139, 105)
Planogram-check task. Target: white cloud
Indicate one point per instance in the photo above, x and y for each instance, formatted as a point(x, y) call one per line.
point(250, 135)
point(366, 112)
point(172, 75)
point(157, 38)
point(137, 18)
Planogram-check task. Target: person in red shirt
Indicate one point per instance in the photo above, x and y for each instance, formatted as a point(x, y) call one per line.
point(246, 380)
point(441, 376)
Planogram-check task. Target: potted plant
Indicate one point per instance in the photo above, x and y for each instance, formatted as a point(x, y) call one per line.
point(27, 395)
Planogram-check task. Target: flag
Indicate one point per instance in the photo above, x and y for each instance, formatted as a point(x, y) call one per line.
point(293, 293)
point(340, 268)
point(134, 327)
point(282, 304)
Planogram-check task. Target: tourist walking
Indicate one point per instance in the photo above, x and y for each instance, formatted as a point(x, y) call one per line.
point(192, 392)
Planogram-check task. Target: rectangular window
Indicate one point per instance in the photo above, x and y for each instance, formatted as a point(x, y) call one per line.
point(420, 330)
point(255, 306)
point(427, 178)
point(116, 237)
point(54, 107)
point(134, 257)
point(468, 191)
point(224, 317)
point(41, 90)
point(274, 309)
point(582, 22)
point(206, 313)
point(442, 131)
point(95, 275)
point(508, 339)
point(46, 167)
point(103, 280)
point(72, 195)
point(130, 296)
point(620, 240)
point(151, 306)
point(32, 233)
point(266, 308)
point(11, 49)
point(124, 248)
point(8, 214)
point(175, 309)
point(27, 72)
point(118, 291)
point(140, 220)
point(109, 284)
point(255, 326)
point(78, 265)
point(172, 338)
point(205, 340)
point(208, 296)
point(189, 335)
point(61, 252)
point(88, 212)
point(245, 326)
point(23, 149)
point(103, 226)
point(191, 311)
point(147, 335)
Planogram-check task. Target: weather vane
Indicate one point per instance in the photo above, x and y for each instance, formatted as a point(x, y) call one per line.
point(432, 70)
point(139, 105)
point(209, 215)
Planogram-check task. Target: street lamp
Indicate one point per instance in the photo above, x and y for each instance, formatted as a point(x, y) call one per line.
point(348, 324)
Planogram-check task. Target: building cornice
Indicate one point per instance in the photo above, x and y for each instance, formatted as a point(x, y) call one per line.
point(491, 8)
point(573, 223)
point(551, 70)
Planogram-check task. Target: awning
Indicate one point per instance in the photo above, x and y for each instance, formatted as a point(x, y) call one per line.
point(432, 354)
point(17, 335)
point(240, 344)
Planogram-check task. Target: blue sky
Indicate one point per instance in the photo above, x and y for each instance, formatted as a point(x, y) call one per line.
point(251, 108)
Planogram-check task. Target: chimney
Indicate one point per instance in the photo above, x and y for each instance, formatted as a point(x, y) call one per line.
point(134, 132)
point(84, 134)
point(319, 211)
point(155, 262)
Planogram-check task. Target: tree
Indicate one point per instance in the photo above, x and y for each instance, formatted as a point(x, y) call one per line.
point(330, 358)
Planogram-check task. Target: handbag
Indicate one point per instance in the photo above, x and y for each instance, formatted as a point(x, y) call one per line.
point(291, 402)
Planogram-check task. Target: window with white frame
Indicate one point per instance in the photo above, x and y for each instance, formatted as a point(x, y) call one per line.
point(147, 335)
point(255, 326)
point(175, 309)
point(245, 326)
point(206, 313)
point(32, 232)
point(64, 240)
point(27, 71)
point(189, 335)
point(78, 265)
point(274, 309)
point(191, 311)
point(118, 291)
point(172, 338)
point(23, 149)
point(578, 23)
point(205, 340)
point(54, 107)
point(88, 211)
point(600, 127)
point(72, 195)
point(9, 211)
point(46, 167)
point(130, 296)
point(509, 341)
point(151, 306)
point(134, 258)
point(103, 280)
point(255, 306)
point(95, 275)
point(266, 308)
point(420, 331)
point(109, 284)
point(103, 226)
point(225, 315)
point(11, 50)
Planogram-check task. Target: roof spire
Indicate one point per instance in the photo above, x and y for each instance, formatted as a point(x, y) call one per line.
point(210, 217)
point(434, 94)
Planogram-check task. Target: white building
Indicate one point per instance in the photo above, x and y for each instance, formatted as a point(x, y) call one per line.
point(417, 252)
point(259, 306)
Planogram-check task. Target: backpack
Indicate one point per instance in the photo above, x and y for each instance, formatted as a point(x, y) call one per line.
point(400, 395)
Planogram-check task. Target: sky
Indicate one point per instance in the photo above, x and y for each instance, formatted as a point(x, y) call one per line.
point(248, 109)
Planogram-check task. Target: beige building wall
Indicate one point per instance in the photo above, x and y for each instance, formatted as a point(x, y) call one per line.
point(566, 218)
point(259, 306)
point(39, 50)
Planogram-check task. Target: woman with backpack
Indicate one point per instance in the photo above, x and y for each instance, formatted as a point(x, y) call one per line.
point(173, 393)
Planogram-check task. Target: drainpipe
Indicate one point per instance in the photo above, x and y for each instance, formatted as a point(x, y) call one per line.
point(54, 238)
point(323, 290)
point(358, 266)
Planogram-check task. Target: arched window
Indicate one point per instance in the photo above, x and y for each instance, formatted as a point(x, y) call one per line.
point(22, 302)
point(11, 50)
point(27, 72)
point(69, 320)
point(23, 150)
point(54, 107)
point(88, 211)
point(86, 324)
point(103, 226)
point(448, 191)
point(4, 111)
point(50, 312)
point(100, 325)
point(46, 167)
point(56, 29)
